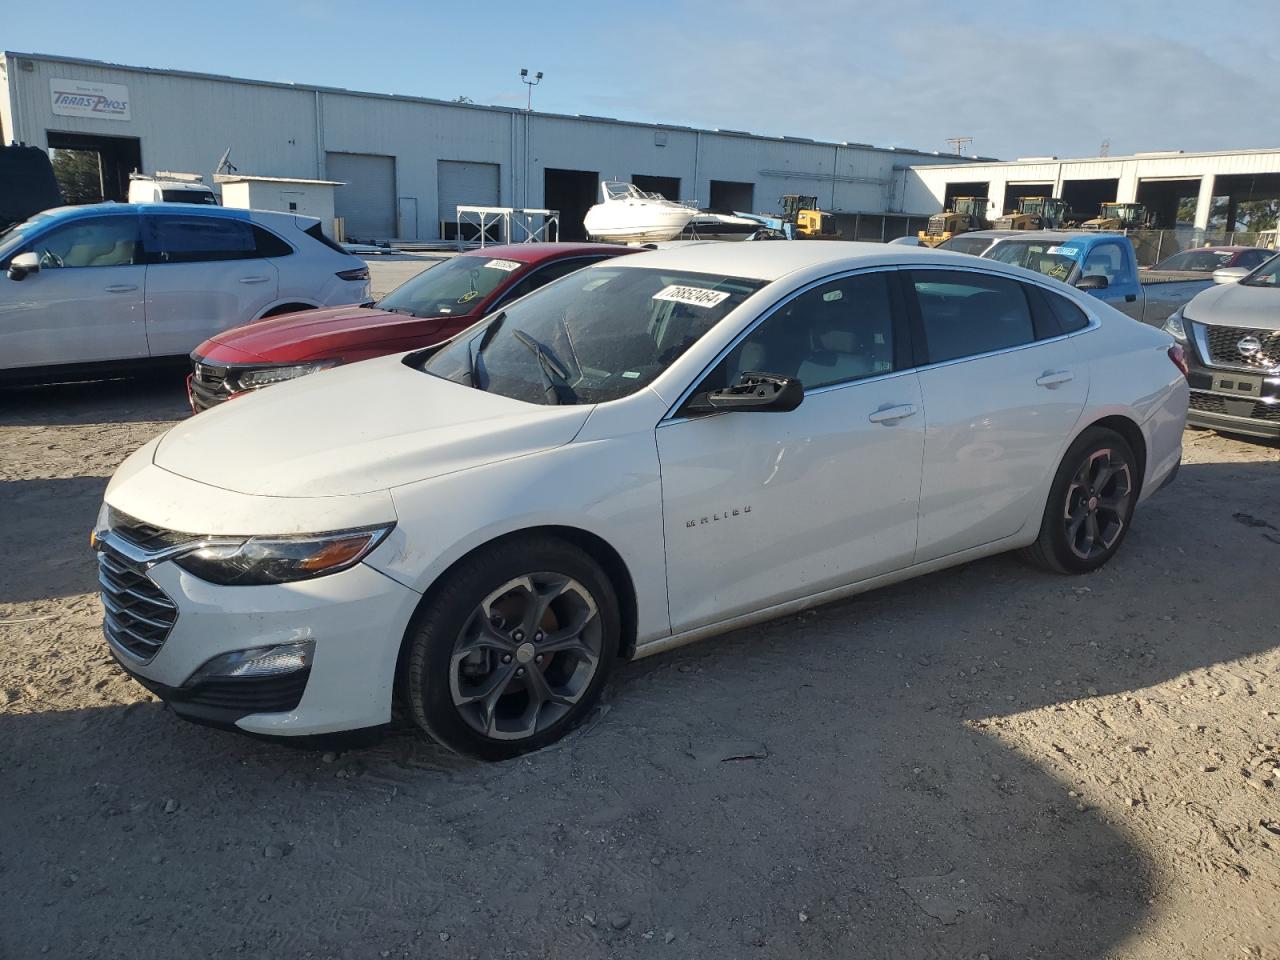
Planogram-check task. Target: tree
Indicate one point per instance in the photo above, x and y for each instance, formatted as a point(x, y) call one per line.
point(79, 175)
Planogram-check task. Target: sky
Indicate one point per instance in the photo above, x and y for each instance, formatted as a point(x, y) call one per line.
point(1021, 77)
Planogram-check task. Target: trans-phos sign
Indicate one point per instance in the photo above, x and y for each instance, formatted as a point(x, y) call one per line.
point(81, 98)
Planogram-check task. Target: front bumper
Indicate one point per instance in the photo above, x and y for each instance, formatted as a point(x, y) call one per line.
point(356, 618)
point(1231, 412)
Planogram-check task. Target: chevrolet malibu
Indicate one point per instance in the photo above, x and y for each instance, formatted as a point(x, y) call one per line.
point(647, 452)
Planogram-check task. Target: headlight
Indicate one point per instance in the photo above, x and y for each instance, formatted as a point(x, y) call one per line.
point(264, 377)
point(256, 561)
point(1174, 325)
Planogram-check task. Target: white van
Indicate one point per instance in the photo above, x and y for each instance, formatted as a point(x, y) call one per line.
point(166, 187)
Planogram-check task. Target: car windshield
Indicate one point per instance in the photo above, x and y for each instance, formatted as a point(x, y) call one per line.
point(17, 235)
point(1201, 261)
point(1267, 275)
point(593, 336)
point(188, 196)
point(454, 287)
point(973, 245)
point(1042, 256)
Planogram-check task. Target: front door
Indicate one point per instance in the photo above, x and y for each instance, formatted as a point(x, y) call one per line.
point(1002, 390)
point(760, 508)
point(84, 305)
point(205, 274)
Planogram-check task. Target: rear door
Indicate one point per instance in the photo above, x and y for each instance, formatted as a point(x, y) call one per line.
point(1002, 390)
point(84, 305)
point(1123, 291)
point(205, 274)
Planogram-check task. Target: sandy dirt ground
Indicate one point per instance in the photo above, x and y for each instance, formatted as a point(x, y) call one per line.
point(988, 762)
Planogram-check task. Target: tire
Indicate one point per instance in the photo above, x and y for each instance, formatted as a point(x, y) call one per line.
point(471, 662)
point(1069, 541)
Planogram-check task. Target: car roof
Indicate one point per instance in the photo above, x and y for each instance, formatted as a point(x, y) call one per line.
point(771, 260)
point(112, 208)
point(542, 252)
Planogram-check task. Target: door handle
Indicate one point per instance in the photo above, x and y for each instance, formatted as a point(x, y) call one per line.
point(1130, 297)
point(254, 279)
point(892, 414)
point(121, 287)
point(1054, 378)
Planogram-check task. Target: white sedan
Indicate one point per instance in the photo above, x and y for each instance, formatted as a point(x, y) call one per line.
point(648, 452)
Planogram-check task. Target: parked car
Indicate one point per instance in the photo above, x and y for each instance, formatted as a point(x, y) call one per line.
point(109, 286)
point(1231, 336)
point(1102, 264)
point(1209, 259)
point(641, 454)
point(426, 310)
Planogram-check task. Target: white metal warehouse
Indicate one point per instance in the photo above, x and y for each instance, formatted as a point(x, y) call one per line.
point(406, 162)
point(1202, 191)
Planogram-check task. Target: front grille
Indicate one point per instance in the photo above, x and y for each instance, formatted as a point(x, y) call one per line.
point(138, 614)
point(1231, 407)
point(209, 385)
point(146, 535)
point(1223, 343)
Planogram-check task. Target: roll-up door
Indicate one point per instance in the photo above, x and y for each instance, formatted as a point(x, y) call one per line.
point(367, 200)
point(463, 182)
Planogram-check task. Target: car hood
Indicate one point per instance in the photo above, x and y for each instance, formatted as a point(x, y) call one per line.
point(1236, 305)
point(295, 336)
point(359, 428)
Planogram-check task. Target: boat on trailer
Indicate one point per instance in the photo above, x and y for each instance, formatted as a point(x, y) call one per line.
point(627, 214)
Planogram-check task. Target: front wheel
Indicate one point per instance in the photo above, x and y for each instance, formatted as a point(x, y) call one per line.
point(1090, 505)
point(513, 649)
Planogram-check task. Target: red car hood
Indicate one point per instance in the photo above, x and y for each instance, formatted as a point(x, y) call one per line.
point(320, 334)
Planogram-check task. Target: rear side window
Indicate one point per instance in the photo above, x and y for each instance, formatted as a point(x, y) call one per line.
point(1070, 317)
point(267, 244)
point(964, 314)
point(179, 239)
point(315, 233)
point(1104, 260)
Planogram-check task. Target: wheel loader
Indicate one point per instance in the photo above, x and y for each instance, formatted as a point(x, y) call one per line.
point(1035, 213)
point(967, 213)
point(1118, 216)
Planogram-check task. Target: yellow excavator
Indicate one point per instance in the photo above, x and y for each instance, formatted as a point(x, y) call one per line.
point(1035, 213)
point(967, 213)
point(1118, 216)
point(810, 222)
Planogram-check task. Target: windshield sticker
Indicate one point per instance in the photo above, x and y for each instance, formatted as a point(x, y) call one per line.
point(1067, 250)
point(693, 296)
point(506, 265)
point(1056, 250)
point(631, 375)
point(831, 295)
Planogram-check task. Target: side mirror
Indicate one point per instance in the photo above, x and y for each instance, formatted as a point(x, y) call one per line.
point(764, 392)
point(1230, 274)
point(24, 264)
point(1093, 282)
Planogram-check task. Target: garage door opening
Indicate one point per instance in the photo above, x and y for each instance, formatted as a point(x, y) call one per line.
point(729, 195)
point(460, 182)
point(1084, 198)
point(1170, 203)
point(669, 187)
point(366, 202)
point(1013, 192)
point(91, 169)
point(969, 188)
point(573, 193)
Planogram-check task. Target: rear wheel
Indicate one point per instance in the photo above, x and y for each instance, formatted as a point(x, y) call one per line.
point(514, 649)
point(1090, 505)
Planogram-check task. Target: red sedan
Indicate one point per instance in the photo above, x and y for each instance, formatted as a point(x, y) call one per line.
point(1209, 259)
point(433, 307)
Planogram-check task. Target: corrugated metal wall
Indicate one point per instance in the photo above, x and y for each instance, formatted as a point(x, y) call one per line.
point(185, 122)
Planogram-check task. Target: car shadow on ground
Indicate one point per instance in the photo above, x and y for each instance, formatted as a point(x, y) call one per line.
point(825, 785)
point(158, 394)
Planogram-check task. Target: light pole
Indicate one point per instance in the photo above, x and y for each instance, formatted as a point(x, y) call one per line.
point(524, 78)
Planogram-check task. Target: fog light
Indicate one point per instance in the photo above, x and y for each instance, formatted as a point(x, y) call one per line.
point(258, 662)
